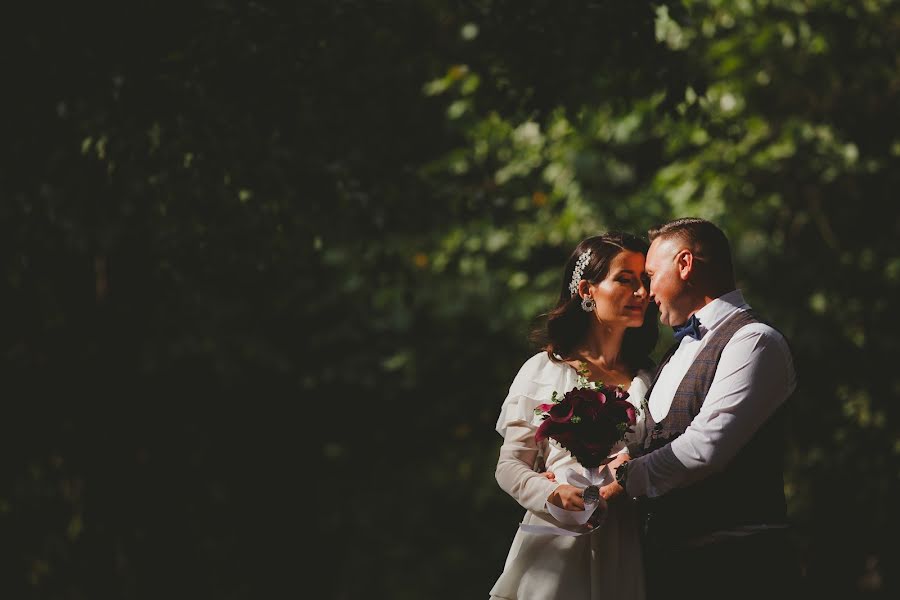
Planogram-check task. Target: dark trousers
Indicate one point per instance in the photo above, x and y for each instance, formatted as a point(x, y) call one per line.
point(761, 565)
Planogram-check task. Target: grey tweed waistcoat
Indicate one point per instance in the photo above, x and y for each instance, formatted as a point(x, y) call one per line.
point(748, 491)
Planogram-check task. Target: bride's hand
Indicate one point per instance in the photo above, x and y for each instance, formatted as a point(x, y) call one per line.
point(567, 497)
point(549, 475)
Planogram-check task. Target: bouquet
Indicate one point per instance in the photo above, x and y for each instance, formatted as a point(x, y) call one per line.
point(588, 420)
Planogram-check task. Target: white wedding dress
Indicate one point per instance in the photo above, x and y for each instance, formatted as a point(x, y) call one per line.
point(604, 564)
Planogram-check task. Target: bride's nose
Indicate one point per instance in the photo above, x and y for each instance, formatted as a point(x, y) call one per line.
point(641, 291)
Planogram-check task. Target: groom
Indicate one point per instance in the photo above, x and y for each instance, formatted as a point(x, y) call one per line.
point(709, 472)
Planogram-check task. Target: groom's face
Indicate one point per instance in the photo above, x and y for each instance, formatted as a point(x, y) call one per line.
point(666, 284)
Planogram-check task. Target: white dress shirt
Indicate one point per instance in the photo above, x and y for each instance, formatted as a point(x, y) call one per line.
point(755, 375)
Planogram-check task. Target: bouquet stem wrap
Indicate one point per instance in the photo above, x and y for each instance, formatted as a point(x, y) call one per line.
point(598, 476)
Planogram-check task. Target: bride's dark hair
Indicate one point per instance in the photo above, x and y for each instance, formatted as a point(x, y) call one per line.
point(566, 326)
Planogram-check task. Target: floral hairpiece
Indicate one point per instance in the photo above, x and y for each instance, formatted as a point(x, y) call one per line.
point(580, 264)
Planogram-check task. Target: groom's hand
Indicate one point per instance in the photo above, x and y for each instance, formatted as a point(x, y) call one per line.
point(611, 490)
point(567, 497)
point(618, 460)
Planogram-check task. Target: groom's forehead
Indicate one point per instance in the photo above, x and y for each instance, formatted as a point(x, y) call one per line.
point(660, 248)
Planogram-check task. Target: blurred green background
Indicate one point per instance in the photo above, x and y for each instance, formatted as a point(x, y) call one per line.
point(269, 269)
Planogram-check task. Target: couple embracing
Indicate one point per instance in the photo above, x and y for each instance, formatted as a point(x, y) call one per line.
point(694, 504)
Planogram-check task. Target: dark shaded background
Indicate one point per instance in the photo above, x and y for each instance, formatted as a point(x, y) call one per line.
point(269, 269)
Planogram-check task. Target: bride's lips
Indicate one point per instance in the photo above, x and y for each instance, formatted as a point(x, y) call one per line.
point(634, 307)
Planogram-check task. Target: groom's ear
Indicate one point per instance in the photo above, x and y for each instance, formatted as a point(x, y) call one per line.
point(684, 262)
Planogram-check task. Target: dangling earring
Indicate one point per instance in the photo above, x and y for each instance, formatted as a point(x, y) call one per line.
point(588, 304)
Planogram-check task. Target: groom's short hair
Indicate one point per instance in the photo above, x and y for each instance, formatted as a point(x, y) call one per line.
point(706, 241)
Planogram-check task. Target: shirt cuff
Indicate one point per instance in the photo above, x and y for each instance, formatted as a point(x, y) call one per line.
point(655, 473)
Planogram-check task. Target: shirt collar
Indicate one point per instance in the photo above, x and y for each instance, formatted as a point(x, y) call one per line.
point(719, 309)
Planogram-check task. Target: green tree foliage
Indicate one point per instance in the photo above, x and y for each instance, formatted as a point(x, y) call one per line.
point(270, 268)
point(783, 132)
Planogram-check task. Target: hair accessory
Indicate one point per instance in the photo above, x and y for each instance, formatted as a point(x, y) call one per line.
point(579, 270)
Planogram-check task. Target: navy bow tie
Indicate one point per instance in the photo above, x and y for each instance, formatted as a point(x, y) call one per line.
point(690, 327)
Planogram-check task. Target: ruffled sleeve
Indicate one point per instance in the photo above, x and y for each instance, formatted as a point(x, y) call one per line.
point(517, 423)
point(535, 383)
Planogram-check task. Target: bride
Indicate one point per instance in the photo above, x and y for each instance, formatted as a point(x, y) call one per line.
point(601, 321)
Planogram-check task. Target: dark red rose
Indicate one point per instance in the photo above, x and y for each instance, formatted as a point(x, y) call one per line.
point(561, 432)
point(580, 396)
point(596, 410)
point(586, 422)
point(626, 411)
point(631, 413)
point(562, 411)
